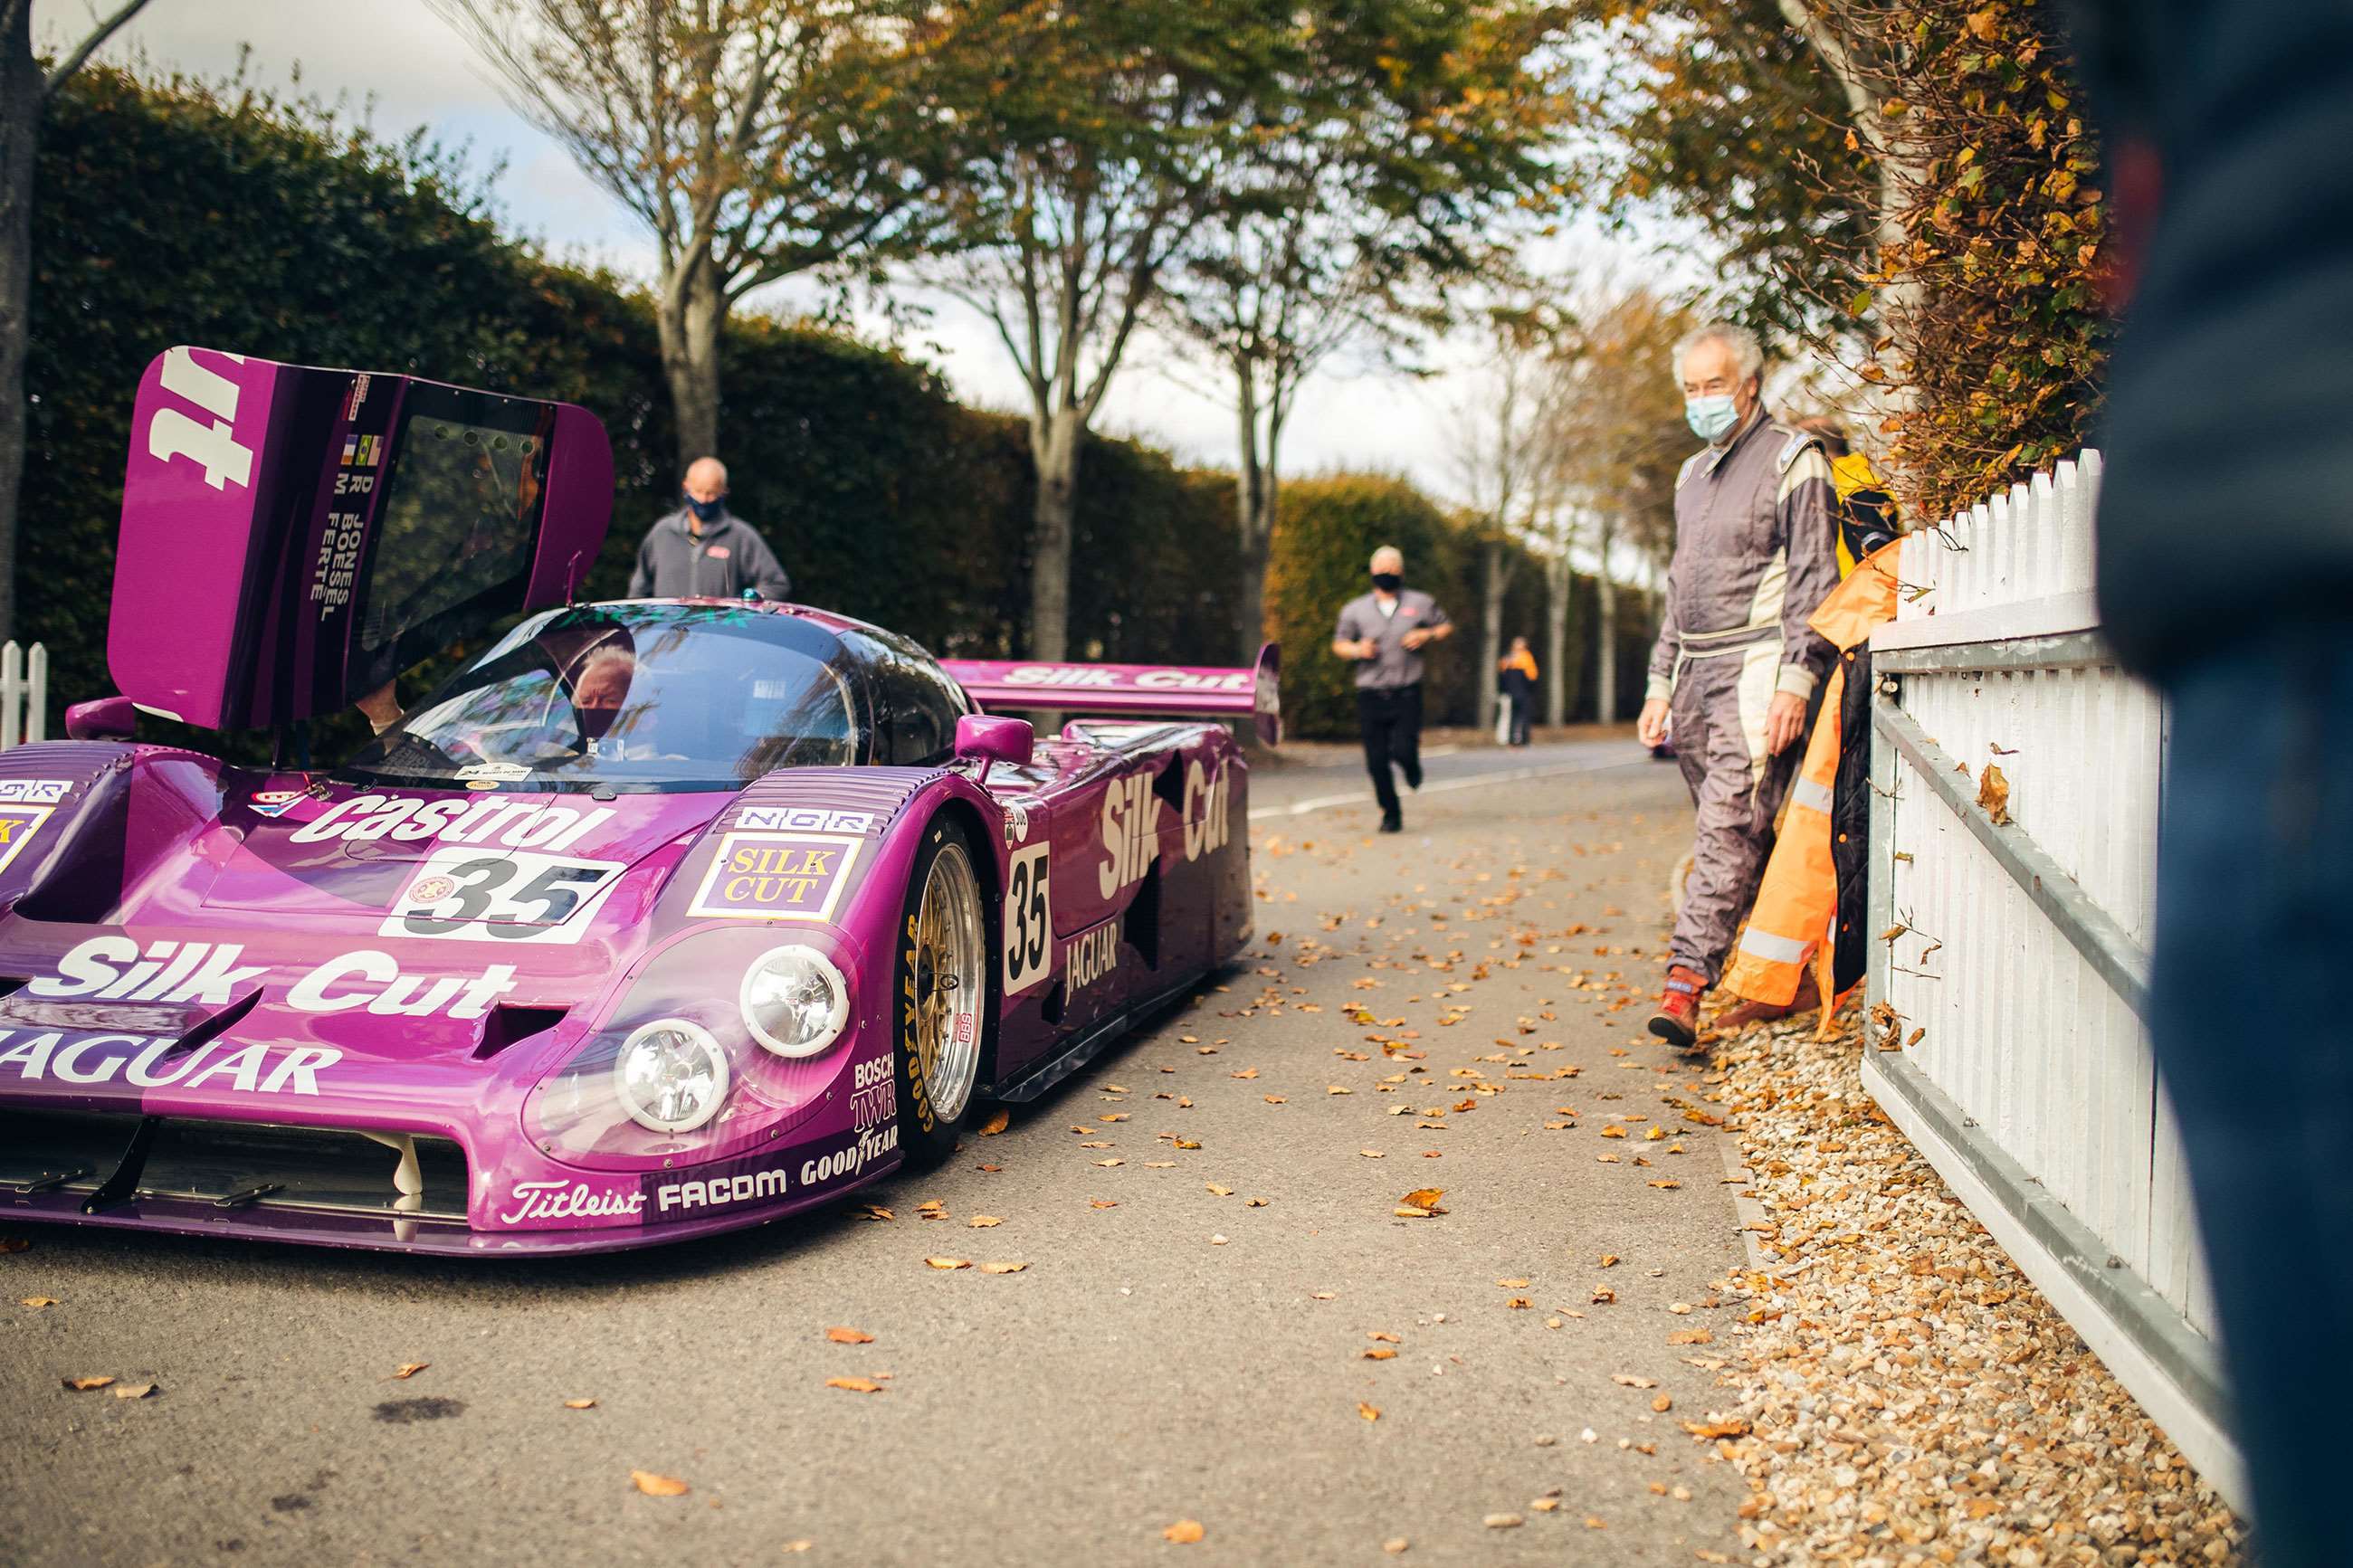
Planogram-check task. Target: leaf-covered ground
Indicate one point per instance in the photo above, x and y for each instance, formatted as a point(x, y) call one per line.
point(1913, 1398)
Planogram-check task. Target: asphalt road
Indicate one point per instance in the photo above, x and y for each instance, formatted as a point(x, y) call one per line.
point(1174, 1350)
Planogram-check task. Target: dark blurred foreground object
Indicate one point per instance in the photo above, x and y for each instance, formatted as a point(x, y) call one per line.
point(2225, 560)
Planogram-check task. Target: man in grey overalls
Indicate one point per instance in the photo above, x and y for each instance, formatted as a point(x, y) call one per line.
point(1736, 664)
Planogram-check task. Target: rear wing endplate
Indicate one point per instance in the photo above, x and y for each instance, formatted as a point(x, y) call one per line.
point(1130, 690)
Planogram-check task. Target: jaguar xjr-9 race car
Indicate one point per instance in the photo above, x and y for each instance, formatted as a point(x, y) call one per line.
point(658, 918)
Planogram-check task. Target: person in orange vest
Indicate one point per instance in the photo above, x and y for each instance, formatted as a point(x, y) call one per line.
point(1804, 938)
point(1517, 670)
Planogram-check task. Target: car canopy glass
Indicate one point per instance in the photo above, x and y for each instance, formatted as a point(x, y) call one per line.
point(634, 696)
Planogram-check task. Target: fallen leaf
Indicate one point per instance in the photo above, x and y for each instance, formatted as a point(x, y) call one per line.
point(1255, 1203)
point(1184, 1532)
point(1593, 1522)
point(1102, 1203)
point(1109, 1164)
point(855, 1385)
point(1504, 1522)
point(653, 1485)
point(1384, 1336)
point(1003, 1268)
point(1512, 1284)
point(1246, 1072)
point(1670, 1183)
point(1369, 1413)
point(580, 1404)
point(1221, 1192)
point(984, 1222)
point(1603, 1295)
point(408, 1370)
point(1691, 1337)
point(1733, 1426)
point(949, 1262)
point(132, 1390)
point(1188, 1143)
point(995, 1124)
point(1424, 1198)
point(37, 1302)
point(1993, 794)
point(800, 1546)
point(876, 1211)
point(84, 1384)
point(1380, 1352)
point(1628, 1379)
point(1395, 1546)
point(1545, 1504)
point(849, 1336)
point(1663, 1403)
point(1613, 1130)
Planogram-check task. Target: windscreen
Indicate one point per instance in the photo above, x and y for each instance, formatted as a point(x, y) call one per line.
point(633, 696)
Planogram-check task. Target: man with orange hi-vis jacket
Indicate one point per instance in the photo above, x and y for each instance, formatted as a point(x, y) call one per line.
point(1735, 665)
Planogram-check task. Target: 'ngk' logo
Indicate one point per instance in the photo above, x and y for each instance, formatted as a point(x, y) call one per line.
point(211, 444)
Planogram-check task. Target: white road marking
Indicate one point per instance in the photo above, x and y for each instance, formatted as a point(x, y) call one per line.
point(1435, 787)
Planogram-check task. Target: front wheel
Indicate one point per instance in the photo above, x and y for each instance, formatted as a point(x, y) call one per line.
point(942, 976)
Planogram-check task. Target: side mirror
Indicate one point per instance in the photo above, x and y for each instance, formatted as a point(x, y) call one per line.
point(985, 738)
point(102, 718)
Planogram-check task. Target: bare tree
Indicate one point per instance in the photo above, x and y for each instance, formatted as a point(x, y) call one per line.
point(756, 139)
point(1390, 169)
point(1098, 137)
point(1505, 463)
point(1615, 434)
point(24, 89)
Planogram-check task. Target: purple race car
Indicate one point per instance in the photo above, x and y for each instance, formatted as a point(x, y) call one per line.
point(660, 918)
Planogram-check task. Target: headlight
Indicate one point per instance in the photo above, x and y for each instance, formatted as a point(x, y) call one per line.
point(794, 1001)
point(671, 1075)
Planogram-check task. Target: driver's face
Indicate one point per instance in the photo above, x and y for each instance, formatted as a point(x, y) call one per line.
point(604, 686)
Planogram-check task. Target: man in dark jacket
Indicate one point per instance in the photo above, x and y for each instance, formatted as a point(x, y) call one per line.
point(704, 550)
point(2225, 570)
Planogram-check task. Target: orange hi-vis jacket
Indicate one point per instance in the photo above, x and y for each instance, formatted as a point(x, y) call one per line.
point(1798, 896)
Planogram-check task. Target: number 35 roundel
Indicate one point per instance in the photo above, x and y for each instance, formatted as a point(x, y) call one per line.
point(476, 895)
point(1028, 928)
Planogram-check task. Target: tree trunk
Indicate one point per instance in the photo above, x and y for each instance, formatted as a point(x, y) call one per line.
point(691, 313)
point(1560, 583)
point(1605, 653)
point(20, 131)
point(1254, 521)
point(1497, 582)
point(1054, 441)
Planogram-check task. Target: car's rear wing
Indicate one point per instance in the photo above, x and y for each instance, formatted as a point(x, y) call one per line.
point(1130, 690)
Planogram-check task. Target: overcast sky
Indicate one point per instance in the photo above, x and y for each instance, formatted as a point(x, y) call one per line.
point(406, 66)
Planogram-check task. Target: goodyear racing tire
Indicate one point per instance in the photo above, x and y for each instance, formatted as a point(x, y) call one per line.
point(941, 984)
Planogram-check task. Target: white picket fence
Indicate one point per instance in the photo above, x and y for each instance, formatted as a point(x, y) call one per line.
point(23, 694)
point(2015, 984)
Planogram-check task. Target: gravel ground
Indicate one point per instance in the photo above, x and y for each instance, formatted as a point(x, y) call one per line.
point(1910, 1396)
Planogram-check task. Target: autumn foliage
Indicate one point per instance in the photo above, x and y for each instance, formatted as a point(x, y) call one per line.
point(2001, 351)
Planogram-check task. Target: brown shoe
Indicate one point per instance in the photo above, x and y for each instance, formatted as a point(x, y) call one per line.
point(1677, 1019)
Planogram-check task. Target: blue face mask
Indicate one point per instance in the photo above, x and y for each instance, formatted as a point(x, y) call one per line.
point(710, 511)
point(1710, 417)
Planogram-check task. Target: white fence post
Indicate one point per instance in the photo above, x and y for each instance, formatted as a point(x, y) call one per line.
point(12, 690)
point(23, 694)
point(2019, 945)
